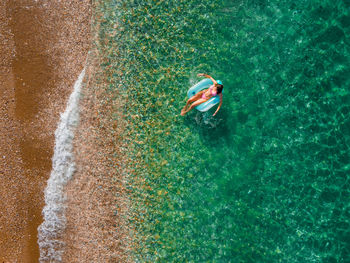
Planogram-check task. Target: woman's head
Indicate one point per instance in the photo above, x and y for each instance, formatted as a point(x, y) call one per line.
point(219, 88)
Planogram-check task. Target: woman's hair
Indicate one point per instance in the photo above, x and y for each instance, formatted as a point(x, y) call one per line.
point(219, 88)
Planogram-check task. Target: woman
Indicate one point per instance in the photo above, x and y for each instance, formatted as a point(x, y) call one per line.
point(204, 95)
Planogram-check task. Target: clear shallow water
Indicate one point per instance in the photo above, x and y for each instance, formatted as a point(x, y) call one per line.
point(267, 179)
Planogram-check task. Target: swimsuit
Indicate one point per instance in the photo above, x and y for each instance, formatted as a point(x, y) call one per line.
point(213, 93)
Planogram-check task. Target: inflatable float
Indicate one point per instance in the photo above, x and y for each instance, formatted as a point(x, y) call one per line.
point(204, 84)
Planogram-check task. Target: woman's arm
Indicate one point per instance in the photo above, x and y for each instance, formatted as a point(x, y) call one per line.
point(207, 76)
point(219, 104)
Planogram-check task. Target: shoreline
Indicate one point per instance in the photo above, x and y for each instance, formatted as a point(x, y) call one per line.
point(97, 204)
point(42, 45)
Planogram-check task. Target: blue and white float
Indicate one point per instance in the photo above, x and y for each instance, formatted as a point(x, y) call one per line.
point(204, 84)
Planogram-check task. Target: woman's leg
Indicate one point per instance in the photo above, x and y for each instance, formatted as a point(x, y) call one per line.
point(196, 103)
point(192, 99)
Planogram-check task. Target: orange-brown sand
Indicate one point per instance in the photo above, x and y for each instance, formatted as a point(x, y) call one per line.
point(43, 47)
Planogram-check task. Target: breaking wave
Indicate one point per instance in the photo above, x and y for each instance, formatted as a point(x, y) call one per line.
point(63, 167)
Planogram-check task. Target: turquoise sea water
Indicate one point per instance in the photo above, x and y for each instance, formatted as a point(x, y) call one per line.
point(267, 178)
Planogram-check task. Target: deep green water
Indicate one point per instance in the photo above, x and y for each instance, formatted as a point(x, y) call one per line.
point(267, 178)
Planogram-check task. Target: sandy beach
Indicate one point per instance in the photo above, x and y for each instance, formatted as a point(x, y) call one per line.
point(43, 48)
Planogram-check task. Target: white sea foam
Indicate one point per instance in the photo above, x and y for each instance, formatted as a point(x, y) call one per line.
point(50, 231)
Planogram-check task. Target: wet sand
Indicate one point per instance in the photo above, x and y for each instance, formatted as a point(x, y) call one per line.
point(43, 47)
point(97, 205)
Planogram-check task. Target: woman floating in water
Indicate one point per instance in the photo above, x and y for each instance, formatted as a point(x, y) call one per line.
point(204, 95)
